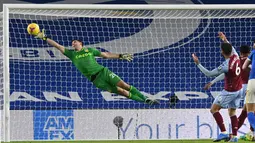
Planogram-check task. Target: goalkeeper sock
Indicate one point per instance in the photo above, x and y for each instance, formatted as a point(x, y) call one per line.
point(134, 97)
point(134, 91)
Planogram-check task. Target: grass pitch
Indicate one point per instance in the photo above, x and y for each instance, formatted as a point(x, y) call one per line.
point(129, 141)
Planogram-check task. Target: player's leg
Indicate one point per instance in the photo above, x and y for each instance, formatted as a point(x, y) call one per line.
point(251, 119)
point(219, 120)
point(243, 114)
point(248, 136)
point(217, 116)
point(218, 103)
point(130, 88)
point(242, 117)
point(235, 98)
point(252, 130)
point(241, 120)
point(250, 113)
point(102, 84)
point(115, 80)
point(250, 102)
point(126, 93)
point(134, 92)
point(234, 124)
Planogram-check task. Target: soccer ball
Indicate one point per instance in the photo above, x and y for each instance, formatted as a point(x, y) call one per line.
point(33, 29)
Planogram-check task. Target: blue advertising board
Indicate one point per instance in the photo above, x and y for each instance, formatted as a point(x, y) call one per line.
point(53, 125)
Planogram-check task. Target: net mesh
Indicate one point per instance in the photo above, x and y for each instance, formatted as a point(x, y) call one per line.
point(42, 79)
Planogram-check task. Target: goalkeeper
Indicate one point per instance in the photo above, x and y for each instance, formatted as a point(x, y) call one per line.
point(84, 60)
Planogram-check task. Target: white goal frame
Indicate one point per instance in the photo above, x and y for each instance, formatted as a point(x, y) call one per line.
point(7, 7)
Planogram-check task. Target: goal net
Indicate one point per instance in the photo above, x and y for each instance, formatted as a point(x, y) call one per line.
point(51, 100)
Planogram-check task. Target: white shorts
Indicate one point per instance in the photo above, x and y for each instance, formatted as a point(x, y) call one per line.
point(250, 93)
point(244, 93)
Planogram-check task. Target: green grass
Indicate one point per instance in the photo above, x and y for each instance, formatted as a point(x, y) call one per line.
point(127, 141)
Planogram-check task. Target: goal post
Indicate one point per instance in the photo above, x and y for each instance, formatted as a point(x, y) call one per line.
point(5, 117)
point(45, 95)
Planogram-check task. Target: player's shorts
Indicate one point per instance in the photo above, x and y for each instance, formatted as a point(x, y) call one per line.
point(107, 80)
point(229, 99)
point(244, 93)
point(250, 94)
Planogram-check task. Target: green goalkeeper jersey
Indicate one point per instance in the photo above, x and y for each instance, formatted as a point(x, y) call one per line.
point(84, 60)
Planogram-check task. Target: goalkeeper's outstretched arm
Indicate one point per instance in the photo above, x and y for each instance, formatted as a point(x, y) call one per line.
point(56, 45)
point(108, 55)
point(42, 36)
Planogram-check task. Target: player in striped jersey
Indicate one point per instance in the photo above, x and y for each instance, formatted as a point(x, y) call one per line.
point(231, 94)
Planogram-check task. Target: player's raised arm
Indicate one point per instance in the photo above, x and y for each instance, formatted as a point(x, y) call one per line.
point(223, 37)
point(42, 36)
point(217, 71)
point(246, 64)
point(108, 55)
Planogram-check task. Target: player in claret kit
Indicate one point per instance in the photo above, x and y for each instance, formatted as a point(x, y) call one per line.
point(244, 53)
point(84, 60)
point(231, 94)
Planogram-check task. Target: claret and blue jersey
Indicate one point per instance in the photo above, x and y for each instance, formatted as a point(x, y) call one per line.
point(230, 70)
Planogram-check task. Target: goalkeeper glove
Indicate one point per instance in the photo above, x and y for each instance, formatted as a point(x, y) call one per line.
point(41, 35)
point(128, 57)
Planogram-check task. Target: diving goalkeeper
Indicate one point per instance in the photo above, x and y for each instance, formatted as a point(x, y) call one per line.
point(84, 60)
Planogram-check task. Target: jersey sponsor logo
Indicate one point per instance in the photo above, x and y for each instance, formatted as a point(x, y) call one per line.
point(55, 125)
point(83, 55)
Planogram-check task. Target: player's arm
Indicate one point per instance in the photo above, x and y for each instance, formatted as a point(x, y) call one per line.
point(108, 55)
point(215, 72)
point(56, 45)
point(42, 35)
point(223, 37)
point(247, 64)
point(218, 78)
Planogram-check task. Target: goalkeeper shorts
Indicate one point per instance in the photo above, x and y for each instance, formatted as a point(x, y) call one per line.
point(106, 80)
